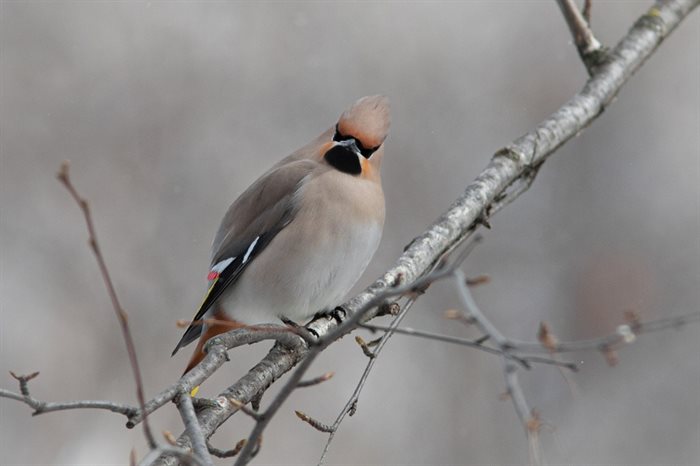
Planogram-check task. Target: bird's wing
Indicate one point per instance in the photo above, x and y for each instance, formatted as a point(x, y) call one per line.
point(249, 225)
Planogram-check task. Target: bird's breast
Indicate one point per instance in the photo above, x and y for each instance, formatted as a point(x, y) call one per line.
point(314, 262)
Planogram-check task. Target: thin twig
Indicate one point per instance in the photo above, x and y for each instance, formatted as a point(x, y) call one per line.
point(528, 418)
point(591, 51)
point(41, 407)
point(587, 7)
point(318, 425)
point(64, 177)
point(351, 405)
point(477, 344)
point(624, 334)
point(316, 380)
point(227, 453)
point(485, 325)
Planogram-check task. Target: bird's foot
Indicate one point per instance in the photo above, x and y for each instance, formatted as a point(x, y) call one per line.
point(338, 314)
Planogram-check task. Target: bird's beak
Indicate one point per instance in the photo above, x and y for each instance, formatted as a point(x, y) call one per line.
point(351, 145)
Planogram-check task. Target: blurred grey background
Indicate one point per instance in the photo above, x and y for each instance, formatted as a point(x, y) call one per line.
point(167, 111)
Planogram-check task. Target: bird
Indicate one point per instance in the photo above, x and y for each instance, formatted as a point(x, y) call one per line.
point(294, 243)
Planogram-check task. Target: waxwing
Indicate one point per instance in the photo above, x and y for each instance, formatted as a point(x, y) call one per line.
point(295, 242)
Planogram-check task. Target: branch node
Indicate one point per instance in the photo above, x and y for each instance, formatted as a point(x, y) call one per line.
point(546, 338)
point(478, 280)
point(353, 408)
point(509, 153)
point(389, 309)
point(625, 331)
point(481, 340)
point(633, 320)
point(587, 7)
point(365, 346)
point(24, 381)
point(610, 355)
point(169, 437)
point(534, 423)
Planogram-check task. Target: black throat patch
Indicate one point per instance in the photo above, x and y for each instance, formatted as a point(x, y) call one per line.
point(343, 159)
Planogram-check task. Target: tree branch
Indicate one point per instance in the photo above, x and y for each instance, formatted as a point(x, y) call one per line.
point(524, 361)
point(41, 407)
point(624, 334)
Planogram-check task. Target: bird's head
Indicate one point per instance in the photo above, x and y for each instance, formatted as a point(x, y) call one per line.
point(357, 146)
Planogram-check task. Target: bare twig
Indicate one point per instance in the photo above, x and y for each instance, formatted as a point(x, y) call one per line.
point(318, 425)
point(591, 51)
point(528, 417)
point(351, 405)
point(64, 177)
point(624, 334)
point(524, 361)
point(316, 380)
point(587, 7)
point(41, 407)
point(475, 314)
point(227, 453)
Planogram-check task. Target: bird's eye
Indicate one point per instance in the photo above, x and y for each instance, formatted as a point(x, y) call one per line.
point(337, 137)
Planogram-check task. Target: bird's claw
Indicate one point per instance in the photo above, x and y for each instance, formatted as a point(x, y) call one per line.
point(338, 314)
